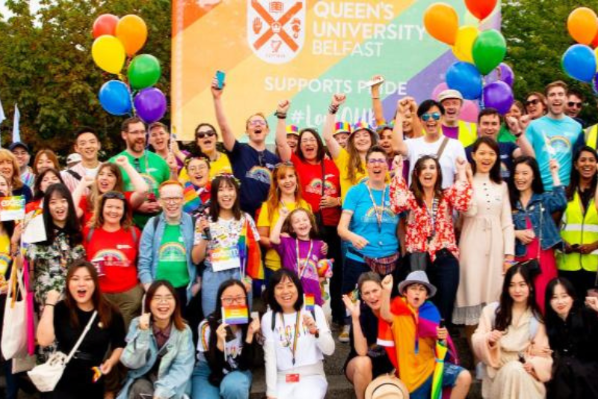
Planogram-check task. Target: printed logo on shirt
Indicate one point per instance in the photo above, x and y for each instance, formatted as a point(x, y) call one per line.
point(260, 173)
point(111, 257)
point(123, 246)
point(311, 271)
point(388, 216)
point(315, 187)
point(558, 144)
point(172, 252)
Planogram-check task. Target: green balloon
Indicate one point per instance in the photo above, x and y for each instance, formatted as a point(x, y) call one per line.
point(144, 71)
point(489, 50)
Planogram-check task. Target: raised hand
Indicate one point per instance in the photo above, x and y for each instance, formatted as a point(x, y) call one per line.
point(387, 283)
point(283, 106)
point(461, 164)
point(121, 161)
point(144, 321)
point(353, 308)
point(338, 99)
point(310, 323)
point(554, 166)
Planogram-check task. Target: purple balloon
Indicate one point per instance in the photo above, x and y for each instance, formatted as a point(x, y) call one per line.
point(150, 104)
point(595, 84)
point(502, 73)
point(498, 95)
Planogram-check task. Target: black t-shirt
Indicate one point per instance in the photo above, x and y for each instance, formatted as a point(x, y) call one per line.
point(254, 169)
point(98, 339)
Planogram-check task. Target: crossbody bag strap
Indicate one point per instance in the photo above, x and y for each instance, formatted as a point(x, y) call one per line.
point(83, 334)
point(442, 147)
point(540, 235)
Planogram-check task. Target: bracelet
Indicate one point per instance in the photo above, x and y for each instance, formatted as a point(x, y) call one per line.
point(375, 98)
point(50, 304)
point(333, 109)
point(280, 115)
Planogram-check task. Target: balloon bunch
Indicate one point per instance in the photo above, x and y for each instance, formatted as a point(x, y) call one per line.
point(479, 53)
point(579, 61)
point(115, 39)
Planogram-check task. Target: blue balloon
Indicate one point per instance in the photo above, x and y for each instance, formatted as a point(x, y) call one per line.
point(115, 98)
point(579, 62)
point(465, 78)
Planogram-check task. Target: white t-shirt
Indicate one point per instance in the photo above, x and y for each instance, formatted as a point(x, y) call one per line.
point(419, 147)
point(306, 352)
point(92, 172)
point(232, 348)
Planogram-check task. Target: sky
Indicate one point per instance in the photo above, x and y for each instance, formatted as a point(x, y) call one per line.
point(34, 4)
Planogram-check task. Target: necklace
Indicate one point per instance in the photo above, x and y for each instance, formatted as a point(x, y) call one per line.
point(378, 210)
point(301, 270)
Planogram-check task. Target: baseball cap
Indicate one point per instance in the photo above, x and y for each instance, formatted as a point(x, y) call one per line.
point(18, 144)
point(293, 129)
point(72, 158)
point(449, 93)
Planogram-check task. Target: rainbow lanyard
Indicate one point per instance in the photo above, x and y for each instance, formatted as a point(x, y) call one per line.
point(378, 210)
point(301, 270)
point(287, 341)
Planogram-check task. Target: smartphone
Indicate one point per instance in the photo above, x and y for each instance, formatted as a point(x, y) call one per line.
point(220, 77)
point(442, 324)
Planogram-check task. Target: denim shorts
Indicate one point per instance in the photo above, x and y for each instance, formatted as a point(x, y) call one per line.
point(449, 379)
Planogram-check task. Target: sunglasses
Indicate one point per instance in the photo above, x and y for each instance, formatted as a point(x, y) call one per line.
point(114, 195)
point(201, 135)
point(285, 163)
point(532, 102)
point(257, 122)
point(572, 104)
point(374, 161)
point(433, 115)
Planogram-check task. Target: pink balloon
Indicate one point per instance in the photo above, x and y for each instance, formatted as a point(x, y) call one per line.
point(439, 89)
point(470, 111)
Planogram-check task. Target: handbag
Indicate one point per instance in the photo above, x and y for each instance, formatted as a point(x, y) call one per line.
point(419, 261)
point(14, 334)
point(45, 377)
point(533, 265)
point(384, 265)
point(30, 312)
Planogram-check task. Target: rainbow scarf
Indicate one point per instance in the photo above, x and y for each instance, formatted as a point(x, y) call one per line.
point(194, 196)
point(249, 251)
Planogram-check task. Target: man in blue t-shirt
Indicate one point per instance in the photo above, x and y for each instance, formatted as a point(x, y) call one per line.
point(555, 135)
point(489, 126)
point(252, 163)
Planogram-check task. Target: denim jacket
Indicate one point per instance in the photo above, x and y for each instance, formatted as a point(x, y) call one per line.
point(176, 366)
point(540, 204)
point(149, 248)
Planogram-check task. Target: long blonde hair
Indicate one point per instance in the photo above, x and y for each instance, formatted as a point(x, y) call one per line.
point(273, 200)
point(355, 165)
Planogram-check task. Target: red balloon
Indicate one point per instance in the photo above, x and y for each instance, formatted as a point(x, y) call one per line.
point(105, 24)
point(594, 43)
point(480, 8)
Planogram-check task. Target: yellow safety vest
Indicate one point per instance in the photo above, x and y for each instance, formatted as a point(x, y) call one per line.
point(591, 136)
point(579, 229)
point(467, 133)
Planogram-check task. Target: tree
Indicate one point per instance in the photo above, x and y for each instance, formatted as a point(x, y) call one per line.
point(48, 70)
point(537, 37)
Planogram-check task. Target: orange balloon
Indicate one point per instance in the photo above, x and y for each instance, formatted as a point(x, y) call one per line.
point(441, 22)
point(132, 32)
point(582, 25)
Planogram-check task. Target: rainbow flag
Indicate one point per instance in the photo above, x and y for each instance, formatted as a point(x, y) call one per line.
point(440, 353)
point(233, 315)
point(309, 301)
point(250, 253)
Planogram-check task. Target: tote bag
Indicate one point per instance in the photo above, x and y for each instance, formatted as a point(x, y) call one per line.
point(14, 334)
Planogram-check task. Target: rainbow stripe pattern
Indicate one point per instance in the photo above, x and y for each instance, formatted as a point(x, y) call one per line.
point(309, 301)
point(234, 315)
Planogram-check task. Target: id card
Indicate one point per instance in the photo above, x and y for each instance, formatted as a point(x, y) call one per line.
point(225, 259)
point(292, 378)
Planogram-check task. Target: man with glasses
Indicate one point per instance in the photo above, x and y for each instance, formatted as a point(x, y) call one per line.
point(452, 127)
point(21, 152)
point(252, 163)
point(166, 245)
point(151, 166)
point(555, 135)
point(574, 104)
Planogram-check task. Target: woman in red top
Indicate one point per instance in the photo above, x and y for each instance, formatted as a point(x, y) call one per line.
point(430, 222)
point(109, 178)
point(320, 181)
point(111, 242)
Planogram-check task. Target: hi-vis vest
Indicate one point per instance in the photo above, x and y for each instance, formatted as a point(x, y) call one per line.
point(579, 229)
point(467, 133)
point(591, 136)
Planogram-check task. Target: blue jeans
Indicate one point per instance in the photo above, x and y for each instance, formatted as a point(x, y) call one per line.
point(235, 385)
point(449, 379)
point(210, 283)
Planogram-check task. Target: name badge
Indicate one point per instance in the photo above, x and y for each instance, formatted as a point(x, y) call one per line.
point(225, 259)
point(292, 378)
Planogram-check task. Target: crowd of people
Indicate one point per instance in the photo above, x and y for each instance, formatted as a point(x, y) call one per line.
point(395, 233)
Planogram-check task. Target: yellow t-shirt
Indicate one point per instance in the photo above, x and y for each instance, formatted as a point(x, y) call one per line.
point(342, 163)
point(221, 165)
point(272, 258)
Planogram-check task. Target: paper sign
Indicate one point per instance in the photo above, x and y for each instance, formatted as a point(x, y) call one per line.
point(225, 259)
point(232, 315)
point(35, 231)
point(12, 208)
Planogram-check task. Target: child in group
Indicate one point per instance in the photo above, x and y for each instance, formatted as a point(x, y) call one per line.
point(299, 248)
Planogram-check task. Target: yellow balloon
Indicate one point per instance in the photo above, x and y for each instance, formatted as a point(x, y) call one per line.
point(466, 36)
point(108, 53)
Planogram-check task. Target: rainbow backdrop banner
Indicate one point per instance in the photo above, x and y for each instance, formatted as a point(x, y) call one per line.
point(303, 51)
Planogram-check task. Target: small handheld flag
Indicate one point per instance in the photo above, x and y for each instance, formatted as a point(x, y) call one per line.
point(310, 302)
point(234, 315)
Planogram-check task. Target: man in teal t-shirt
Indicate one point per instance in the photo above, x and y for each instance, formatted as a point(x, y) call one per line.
point(151, 166)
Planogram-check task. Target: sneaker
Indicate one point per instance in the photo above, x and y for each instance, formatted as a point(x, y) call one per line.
point(344, 335)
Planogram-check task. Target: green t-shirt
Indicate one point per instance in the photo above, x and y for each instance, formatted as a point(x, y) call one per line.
point(505, 136)
point(154, 171)
point(172, 257)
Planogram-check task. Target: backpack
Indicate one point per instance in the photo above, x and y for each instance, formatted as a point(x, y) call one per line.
point(133, 230)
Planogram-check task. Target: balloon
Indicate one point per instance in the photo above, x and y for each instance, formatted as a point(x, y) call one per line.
point(150, 104)
point(441, 22)
point(437, 90)
point(469, 111)
point(115, 97)
point(594, 43)
point(480, 8)
point(144, 71)
point(582, 25)
point(466, 36)
point(579, 62)
point(498, 95)
point(108, 53)
point(132, 32)
point(105, 24)
point(465, 78)
point(489, 49)
point(595, 84)
point(503, 73)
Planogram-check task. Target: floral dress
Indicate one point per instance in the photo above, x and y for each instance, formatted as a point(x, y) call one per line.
point(51, 264)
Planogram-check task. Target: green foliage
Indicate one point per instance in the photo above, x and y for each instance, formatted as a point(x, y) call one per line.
point(46, 67)
point(537, 36)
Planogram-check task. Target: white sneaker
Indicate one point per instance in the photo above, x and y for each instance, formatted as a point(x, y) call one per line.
point(344, 335)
